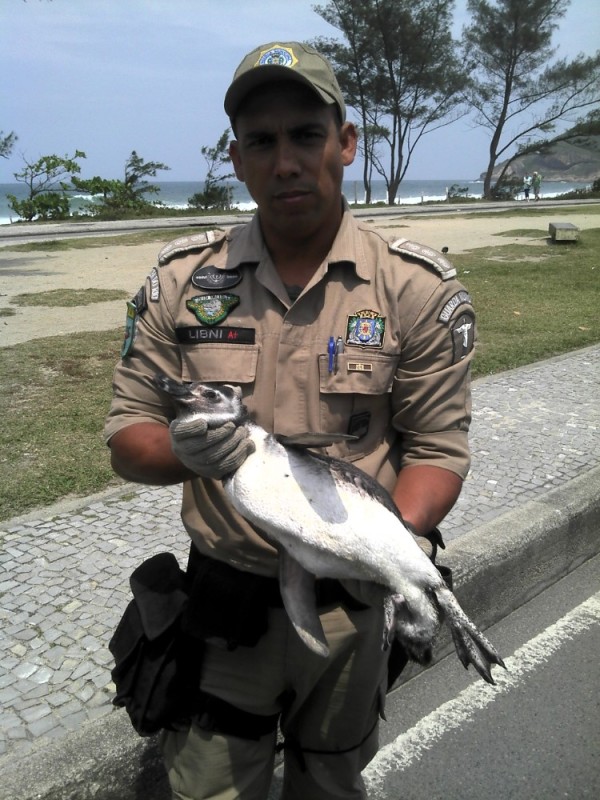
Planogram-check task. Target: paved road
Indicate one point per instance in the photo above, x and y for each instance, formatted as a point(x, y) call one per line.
point(535, 736)
point(22, 233)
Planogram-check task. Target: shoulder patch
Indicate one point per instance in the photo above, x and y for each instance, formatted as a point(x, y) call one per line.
point(421, 252)
point(459, 299)
point(187, 244)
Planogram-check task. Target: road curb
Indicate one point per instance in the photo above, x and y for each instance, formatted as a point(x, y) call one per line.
point(501, 565)
point(497, 568)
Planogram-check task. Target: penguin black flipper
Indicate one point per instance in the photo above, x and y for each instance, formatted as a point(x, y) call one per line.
point(297, 587)
point(347, 473)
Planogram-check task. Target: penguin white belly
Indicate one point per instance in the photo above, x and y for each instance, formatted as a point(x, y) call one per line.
point(329, 526)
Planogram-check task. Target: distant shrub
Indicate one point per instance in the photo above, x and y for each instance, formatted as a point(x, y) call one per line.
point(457, 191)
point(507, 188)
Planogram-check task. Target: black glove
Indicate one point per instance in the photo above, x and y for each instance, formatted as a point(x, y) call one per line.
point(210, 452)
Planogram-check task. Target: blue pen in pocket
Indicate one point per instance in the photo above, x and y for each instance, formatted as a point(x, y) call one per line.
point(331, 353)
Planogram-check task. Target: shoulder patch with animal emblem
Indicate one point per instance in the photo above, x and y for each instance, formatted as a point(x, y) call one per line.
point(421, 252)
point(189, 244)
point(458, 316)
point(462, 331)
point(130, 329)
point(135, 308)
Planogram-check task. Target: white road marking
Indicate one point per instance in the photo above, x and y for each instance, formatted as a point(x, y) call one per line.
point(409, 746)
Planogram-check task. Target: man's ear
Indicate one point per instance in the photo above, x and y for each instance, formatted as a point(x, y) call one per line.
point(234, 155)
point(348, 142)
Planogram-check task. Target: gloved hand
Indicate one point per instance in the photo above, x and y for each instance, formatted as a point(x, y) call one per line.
point(210, 452)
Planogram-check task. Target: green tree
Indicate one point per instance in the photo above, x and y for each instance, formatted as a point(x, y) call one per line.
point(7, 142)
point(136, 171)
point(399, 70)
point(515, 90)
point(127, 197)
point(45, 180)
point(216, 194)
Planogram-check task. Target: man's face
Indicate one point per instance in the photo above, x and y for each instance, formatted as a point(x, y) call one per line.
point(291, 153)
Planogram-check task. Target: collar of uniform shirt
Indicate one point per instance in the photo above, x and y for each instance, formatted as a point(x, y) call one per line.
point(246, 245)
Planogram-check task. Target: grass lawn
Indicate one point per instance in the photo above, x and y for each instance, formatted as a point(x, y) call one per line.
point(532, 302)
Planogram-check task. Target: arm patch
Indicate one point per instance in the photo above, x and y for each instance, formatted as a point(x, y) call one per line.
point(458, 299)
point(421, 252)
point(187, 244)
point(463, 336)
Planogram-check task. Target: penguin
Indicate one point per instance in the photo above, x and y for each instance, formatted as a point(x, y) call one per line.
point(329, 519)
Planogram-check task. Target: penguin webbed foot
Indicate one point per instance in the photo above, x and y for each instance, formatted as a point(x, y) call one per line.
point(473, 648)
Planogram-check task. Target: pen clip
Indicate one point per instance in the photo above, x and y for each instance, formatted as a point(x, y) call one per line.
point(339, 348)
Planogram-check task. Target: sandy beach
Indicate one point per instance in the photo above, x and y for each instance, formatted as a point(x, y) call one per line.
point(126, 266)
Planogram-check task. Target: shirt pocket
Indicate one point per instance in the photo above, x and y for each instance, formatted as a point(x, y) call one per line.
point(356, 398)
point(219, 363)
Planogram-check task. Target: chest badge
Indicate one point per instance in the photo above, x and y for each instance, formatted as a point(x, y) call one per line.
point(212, 308)
point(366, 328)
point(214, 278)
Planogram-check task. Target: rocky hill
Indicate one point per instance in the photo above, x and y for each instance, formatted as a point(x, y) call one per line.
point(578, 161)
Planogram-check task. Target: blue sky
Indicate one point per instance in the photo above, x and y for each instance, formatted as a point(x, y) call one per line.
point(111, 76)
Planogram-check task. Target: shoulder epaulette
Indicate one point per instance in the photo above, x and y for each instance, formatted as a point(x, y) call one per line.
point(186, 244)
point(427, 254)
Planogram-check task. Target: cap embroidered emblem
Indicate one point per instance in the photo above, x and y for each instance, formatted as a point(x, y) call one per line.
point(278, 56)
point(212, 308)
point(366, 328)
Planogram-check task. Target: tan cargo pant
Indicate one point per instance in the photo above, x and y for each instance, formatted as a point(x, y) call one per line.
point(329, 714)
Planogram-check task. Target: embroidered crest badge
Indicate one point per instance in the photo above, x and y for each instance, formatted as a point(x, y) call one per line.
point(279, 56)
point(366, 328)
point(212, 308)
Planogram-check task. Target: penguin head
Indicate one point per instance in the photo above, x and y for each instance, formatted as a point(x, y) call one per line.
point(216, 403)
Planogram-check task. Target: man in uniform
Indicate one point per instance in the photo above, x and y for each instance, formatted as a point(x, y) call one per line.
point(326, 327)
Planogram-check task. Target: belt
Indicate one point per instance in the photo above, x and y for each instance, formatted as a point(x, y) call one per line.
point(328, 591)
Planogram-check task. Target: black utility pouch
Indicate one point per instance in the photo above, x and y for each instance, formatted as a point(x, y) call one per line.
point(157, 666)
point(227, 604)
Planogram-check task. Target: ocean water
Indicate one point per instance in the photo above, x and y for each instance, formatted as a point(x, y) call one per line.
point(175, 194)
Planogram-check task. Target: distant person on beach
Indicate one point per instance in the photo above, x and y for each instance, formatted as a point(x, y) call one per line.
point(527, 180)
point(326, 327)
point(536, 183)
